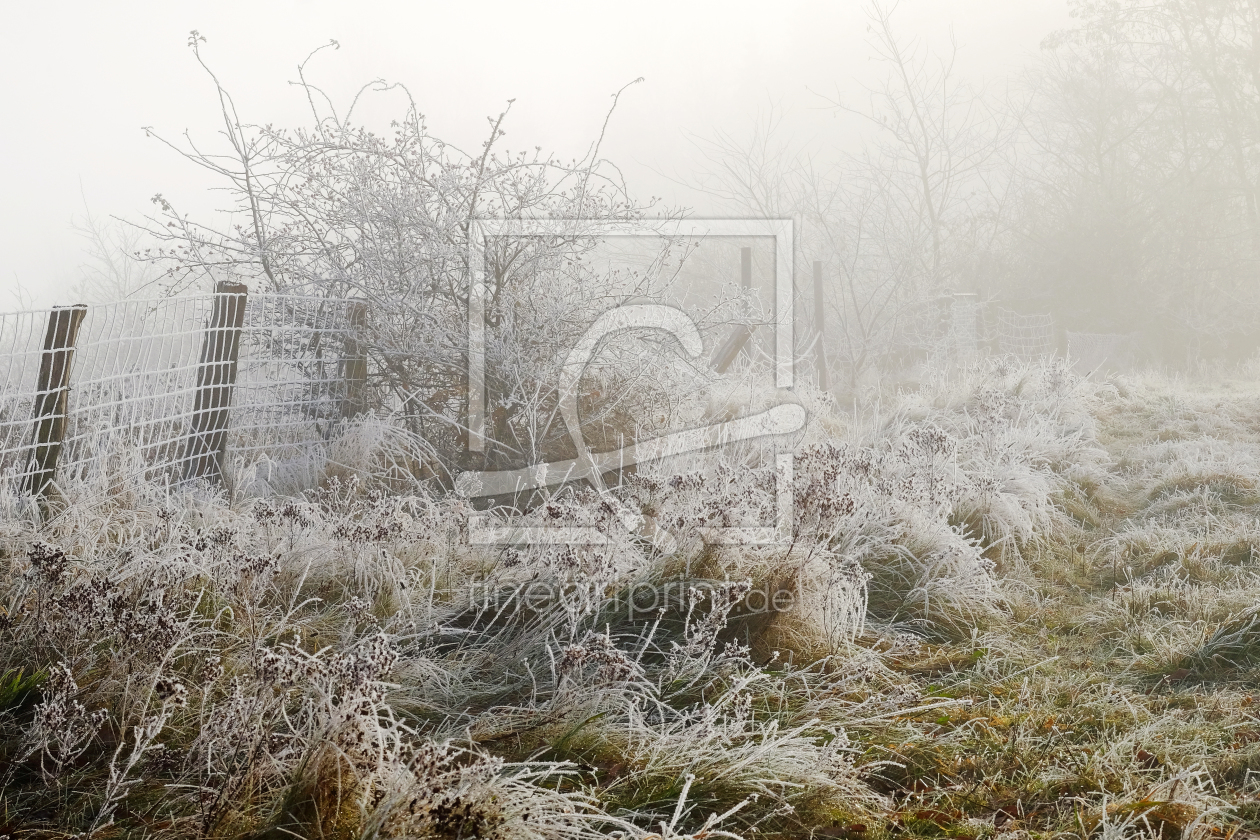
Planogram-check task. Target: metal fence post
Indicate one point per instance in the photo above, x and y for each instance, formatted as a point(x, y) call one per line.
point(216, 375)
point(52, 396)
point(354, 364)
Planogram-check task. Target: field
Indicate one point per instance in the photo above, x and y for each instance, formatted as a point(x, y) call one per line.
point(1016, 603)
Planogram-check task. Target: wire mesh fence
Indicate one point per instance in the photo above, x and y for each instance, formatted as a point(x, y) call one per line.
point(944, 327)
point(1090, 352)
point(960, 326)
point(170, 386)
point(1027, 336)
point(173, 389)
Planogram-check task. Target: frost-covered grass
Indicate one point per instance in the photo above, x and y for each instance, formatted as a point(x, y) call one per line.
point(1014, 603)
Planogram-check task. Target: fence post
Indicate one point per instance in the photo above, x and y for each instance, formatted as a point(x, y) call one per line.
point(820, 325)
point(725, 355)
point(51, 400)
point(354, 366)
point(216, 375)
point(737, 342)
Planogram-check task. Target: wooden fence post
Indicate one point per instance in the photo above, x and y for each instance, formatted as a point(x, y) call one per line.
point(737, 342)
point(51, 400)
point(820, 326)
point(725, 355)
point(216, 376)
point(354, 365)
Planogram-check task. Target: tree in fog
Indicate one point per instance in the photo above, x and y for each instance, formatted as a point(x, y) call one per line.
point(1140, 201)
point(333, 209)
point(114, 269)
point(908, 217)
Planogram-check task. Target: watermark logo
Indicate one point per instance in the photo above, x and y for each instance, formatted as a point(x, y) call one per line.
point(642, 600)
point(590, 466)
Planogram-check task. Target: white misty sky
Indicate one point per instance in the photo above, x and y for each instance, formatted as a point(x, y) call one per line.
point(80, 79)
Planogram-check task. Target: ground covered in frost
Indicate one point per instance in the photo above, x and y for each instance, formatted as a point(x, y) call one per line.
point(1015, 603)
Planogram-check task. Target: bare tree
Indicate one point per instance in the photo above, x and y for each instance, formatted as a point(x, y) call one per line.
point(115, 269)
point(1140, 206)
point(896, 223)
point(936, 145)
point(335, 209)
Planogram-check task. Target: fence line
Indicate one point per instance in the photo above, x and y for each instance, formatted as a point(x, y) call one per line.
point(959, 325)
point(181, 386)
point(1026, 336)
point(1092, 352)
point(175, 386)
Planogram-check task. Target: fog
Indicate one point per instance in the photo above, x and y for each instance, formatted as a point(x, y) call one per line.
point(81, 80)
point(661, 421)
point(1084, 170)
